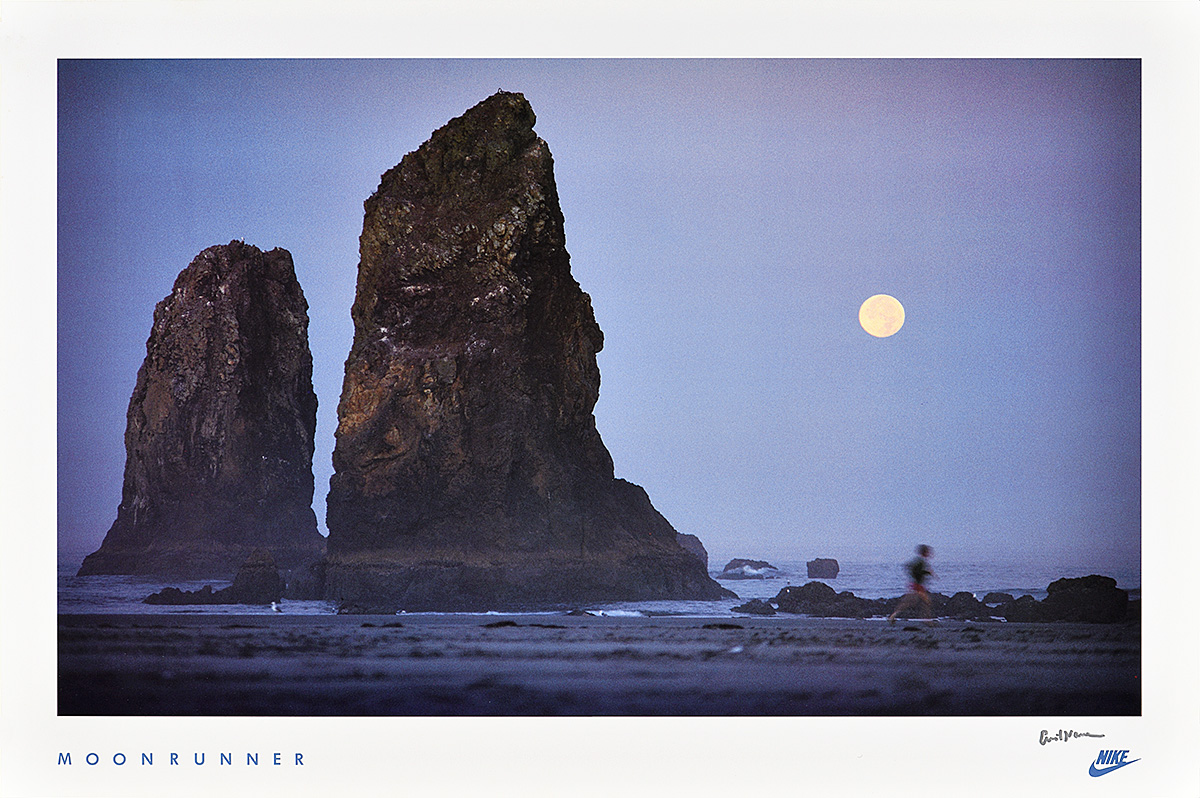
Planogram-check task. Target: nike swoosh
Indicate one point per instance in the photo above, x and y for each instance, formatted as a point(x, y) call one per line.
point(1093, 771)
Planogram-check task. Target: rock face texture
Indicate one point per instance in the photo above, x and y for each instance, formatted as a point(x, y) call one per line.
point(468, 469)
point(219, 435)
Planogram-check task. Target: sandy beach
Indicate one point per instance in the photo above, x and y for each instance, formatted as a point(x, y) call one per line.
point(572, 665)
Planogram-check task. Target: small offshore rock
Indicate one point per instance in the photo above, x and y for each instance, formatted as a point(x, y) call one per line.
point(806, 598)
point(823, 568)
point(739, 568)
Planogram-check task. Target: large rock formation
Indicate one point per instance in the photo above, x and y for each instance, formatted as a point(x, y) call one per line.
point(219, 435)
point(469, 472)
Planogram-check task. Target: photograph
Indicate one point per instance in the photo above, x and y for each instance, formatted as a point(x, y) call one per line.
point(654, 382)
point(429, 414)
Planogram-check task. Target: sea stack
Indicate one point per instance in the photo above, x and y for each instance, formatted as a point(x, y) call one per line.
point(219, 432)
point(469, 473)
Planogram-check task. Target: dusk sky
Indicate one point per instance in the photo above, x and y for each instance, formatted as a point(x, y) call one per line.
point(728, 218)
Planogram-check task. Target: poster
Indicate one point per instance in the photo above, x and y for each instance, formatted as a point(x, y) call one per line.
point(511, 755)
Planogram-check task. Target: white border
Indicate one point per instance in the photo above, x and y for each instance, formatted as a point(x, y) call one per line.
point(529, 756)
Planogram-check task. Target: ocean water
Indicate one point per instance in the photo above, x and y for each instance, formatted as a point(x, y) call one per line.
point(125, 594)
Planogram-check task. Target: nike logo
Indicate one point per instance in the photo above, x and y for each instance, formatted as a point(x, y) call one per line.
point(1095, 771)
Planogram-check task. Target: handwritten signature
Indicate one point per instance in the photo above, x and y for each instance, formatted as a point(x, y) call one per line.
point(1062, 735)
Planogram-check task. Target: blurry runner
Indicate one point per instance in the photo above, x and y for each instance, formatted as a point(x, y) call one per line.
point(918, 573)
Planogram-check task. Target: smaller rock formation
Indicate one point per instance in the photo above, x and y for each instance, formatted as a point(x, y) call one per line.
point(823, 568)
point(755, 607)
point(258, 581)
point(175, 596)
point(819, 600)
point(1025, 609)
point(1088, 599)
point(748, 569)
point(965, 607)
point(994, 598)
point(219, 434)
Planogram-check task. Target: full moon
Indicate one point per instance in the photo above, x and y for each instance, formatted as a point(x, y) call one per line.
point(881, 315)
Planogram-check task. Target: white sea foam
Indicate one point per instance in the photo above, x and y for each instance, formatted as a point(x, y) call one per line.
point(751, 572)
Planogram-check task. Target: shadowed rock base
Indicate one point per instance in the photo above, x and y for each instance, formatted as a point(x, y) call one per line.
point(509, 584)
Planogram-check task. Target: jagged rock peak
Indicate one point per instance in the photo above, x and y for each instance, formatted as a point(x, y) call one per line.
point(219, 431)
point(468, 468)
point(477, 145)
point(467, 196)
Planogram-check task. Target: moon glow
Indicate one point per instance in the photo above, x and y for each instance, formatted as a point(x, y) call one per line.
point(881, 315)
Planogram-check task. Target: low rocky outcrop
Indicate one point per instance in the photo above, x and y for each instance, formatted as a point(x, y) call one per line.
point(755, 607)
point(964, 607)
point(469, 473)
point(1025, 609)
point(818, 599)
point(997, 598)
point(1091, 599)
point(258, 581)
point(219, 432)
point(748, 569)
point(358, 608)
point(823, 568)
point(793, 597)
point(1088, 599)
